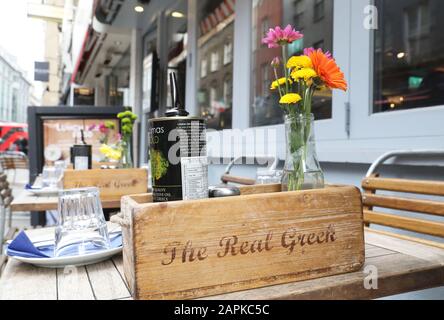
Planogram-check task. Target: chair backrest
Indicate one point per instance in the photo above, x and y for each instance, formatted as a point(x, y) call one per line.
point(5, 191)
point(412, 204)
point(14, 160)
point(3, 260)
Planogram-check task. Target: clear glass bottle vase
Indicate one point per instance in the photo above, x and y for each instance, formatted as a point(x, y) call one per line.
point(302, 170)
point(126, 161)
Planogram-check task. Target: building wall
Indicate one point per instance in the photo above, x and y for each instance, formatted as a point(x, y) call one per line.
point(215, 80)
point(52, 54)
point(266, 15)
point(14, 91)
point(57, 15)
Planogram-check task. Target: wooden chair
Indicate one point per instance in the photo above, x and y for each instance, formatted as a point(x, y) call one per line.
point(5, 207)
point(227, 177)
point(3, 260)
point(371, 199)
point(12, 160)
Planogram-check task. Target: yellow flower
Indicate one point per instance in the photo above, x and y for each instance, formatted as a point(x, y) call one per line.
point(279, 82)
point(110, 152)
point(304, 73)
point(290, 98)
point(299, 62)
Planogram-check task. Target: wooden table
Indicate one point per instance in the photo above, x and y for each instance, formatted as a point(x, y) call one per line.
point(402, 266)
point(29, 202)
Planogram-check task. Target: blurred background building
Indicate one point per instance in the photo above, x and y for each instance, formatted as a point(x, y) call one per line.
point(14, 90)
point(119, 53)
point(57, 16)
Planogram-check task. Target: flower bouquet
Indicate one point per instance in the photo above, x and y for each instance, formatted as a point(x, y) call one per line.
point(301, 76)
point(127, 120)
point(120, 151)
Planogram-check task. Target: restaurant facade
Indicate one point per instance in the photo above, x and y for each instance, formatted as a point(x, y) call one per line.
point(394, 100)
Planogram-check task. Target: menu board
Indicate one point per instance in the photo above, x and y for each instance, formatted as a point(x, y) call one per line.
point(59, 135)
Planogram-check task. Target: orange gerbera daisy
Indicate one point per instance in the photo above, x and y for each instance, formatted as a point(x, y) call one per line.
point(327, 70)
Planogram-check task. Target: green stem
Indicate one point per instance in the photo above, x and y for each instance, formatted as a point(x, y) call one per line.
point(285, 57)
point(277, 80)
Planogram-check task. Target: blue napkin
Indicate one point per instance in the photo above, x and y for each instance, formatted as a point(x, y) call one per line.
point(22, 246)
point(33, 187)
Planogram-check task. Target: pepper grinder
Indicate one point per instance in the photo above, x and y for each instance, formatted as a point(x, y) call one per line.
point(82, 155)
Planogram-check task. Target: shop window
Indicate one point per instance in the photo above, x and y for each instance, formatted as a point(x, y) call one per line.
point(299, 20)
point(203, 68)
point(15, 104)
point(177, 36)
point(83, 97)
point(228, 89)
point(265, 26)
point(215, 61)
point(408, 55)
point(318, 11)
point(265, 74)
point(213, 95)
point(265, 109)
point(228, 53)
point(319, 45)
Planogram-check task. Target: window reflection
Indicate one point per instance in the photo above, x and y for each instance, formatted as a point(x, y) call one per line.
point(409, 56)
point(314, 18)
point(177, 44)
point(215, 56)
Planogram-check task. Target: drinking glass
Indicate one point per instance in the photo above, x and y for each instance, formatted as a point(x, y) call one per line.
point(60, 165)
point(50, 177)
point(81, 228)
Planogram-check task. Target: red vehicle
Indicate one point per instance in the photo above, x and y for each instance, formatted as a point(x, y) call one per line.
point(13, 137)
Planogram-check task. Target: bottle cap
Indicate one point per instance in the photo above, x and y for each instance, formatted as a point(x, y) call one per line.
point(224, 190)
point(178, 109)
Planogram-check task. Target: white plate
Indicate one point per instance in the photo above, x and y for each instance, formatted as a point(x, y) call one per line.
point(74, 261)
point(44, 192)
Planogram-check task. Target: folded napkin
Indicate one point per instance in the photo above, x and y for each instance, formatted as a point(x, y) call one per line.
point(23, 247)
point(33, 187)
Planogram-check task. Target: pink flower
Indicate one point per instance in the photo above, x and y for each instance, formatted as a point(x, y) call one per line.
point(276, 62)
point(277, 37)
point(103, 128)
point(92, 127)
point(308, 51)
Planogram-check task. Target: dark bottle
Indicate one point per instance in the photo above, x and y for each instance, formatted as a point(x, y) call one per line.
point(179, 165)
point(81, 155)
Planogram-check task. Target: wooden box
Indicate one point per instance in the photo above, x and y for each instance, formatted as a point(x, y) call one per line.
point(191, 249)
point(112, 183)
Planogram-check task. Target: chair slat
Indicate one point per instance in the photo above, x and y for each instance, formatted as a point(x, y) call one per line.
point(408, 238)
point(239, 180)
point(414, 205)
point(403, 185)
point(3, 260)
point(404, 223)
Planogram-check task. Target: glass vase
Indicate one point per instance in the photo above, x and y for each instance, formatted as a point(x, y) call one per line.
point(126, 161)
point(302, 170)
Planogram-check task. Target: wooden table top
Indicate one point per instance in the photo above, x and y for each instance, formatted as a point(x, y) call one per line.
point(402, 266)
point(29, 202)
